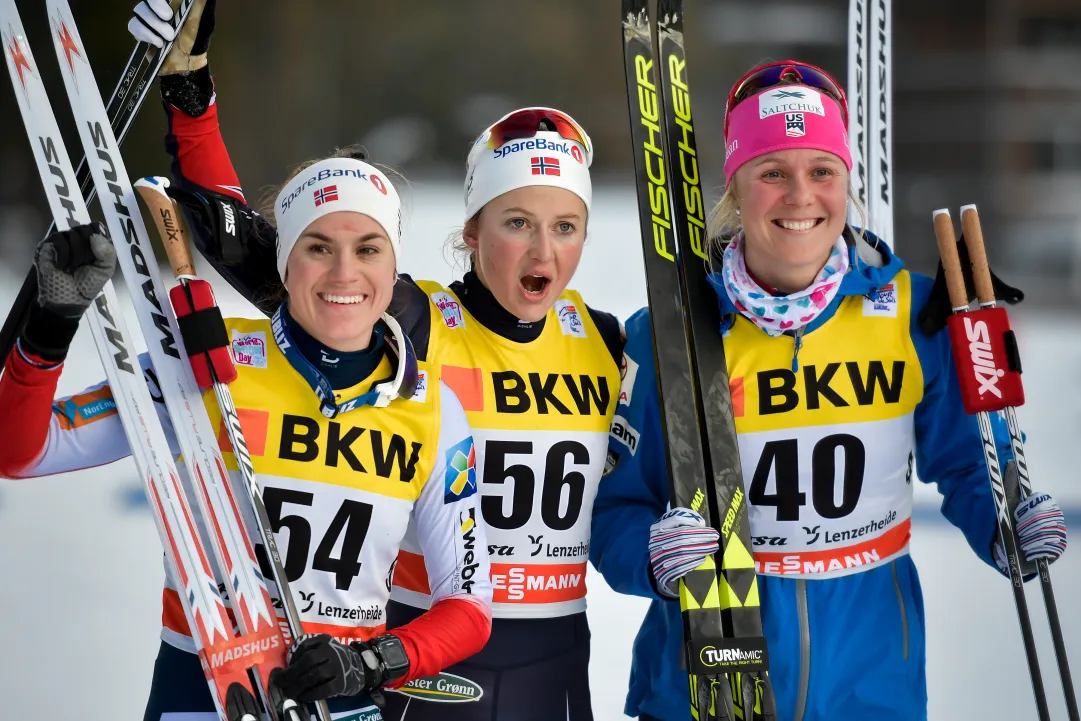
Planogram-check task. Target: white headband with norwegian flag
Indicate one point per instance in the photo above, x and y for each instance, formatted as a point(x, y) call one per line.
point(545, 159)
point(333, 185)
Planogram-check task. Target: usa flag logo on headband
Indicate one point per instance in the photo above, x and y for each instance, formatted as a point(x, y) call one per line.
point(795, 125)
point(545, 166)
point(326, 194)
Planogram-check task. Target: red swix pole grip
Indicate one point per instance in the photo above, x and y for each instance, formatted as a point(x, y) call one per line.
point(984, 348)
point(203, 330)
point(197, 314)
point(981, 343)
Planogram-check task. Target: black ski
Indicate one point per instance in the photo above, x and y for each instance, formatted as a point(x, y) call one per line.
point(721, 621)
point(134, 84)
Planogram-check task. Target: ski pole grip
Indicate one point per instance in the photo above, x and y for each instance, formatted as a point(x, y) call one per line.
point(981, 273)
point(951, 262)
point(169, 223)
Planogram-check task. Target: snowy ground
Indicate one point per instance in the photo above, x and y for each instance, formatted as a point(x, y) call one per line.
point(81, 566)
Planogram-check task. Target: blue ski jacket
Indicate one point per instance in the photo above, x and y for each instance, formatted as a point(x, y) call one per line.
point(841, 647)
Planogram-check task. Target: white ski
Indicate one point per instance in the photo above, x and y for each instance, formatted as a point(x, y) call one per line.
point(185, 556)
point(870, 113)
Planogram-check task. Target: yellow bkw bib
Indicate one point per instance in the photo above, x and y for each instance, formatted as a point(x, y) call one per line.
point(540, 413)
point(330, 484)
point(827, 449)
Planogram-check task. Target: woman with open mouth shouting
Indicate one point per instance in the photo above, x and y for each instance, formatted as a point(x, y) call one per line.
point(539, 373)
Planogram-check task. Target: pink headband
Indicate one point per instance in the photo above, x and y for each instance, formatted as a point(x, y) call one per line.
point(784, 117)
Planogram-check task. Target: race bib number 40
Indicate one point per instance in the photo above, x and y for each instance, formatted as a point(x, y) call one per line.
point(828, 500)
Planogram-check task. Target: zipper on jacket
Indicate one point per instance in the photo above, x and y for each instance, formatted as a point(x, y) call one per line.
point(904, 614)
point(804, 648)
point(798, 335)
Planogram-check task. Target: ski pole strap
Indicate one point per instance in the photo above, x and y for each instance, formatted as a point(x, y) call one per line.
point(203, 331)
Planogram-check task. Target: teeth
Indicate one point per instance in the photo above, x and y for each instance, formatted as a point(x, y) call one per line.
point(343, 299)
point(539, 283)
point(797, 224)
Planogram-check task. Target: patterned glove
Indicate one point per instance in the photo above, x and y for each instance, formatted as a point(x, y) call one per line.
point(73, 267)
point(678, 543)
point(1040, 528)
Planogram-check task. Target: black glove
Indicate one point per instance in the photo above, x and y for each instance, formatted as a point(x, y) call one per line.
point(73, 267)
point(321, 668)
point(238, 242)
point(932, 318)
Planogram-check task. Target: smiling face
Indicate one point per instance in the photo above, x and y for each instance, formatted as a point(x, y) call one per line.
point(793, 204)
point(527, 244)
point(340, 278)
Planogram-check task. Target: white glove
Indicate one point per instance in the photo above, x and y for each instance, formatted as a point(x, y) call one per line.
point(678, 543)
point(152, 23)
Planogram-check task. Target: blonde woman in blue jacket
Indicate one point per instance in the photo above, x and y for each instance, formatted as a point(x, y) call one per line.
point(837, 395)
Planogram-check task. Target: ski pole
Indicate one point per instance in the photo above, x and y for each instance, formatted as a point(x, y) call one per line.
point(981, 277)
point(200, 324)
point(981, 364)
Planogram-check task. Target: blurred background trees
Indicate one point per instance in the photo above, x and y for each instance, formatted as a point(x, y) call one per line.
point(987, 103)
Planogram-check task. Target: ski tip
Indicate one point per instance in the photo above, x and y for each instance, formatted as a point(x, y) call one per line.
point(970, 206)
point(941, 211)
point(635, 8)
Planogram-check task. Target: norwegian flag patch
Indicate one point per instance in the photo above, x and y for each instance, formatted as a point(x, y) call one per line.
point(325, 195)
point(545, 166)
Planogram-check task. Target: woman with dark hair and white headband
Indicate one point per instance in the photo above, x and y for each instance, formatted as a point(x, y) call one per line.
point(837, 394)
point(349, 500)
point(536, 370)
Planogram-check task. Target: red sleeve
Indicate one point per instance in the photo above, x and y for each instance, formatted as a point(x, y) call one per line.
point(27, 388)
point(198, 151)
point(450, 631)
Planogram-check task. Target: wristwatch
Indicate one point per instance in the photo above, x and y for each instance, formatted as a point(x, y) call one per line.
point(389, 657)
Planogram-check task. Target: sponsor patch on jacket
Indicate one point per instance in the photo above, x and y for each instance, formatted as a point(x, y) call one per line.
point(84, 408)
point(443, 688)
point(625, 434)
point(450, 308)
point(881, 302)
point(628, 371)
point(460, 478)
point(249, 349)
point(569, 319)
point(420, 394)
